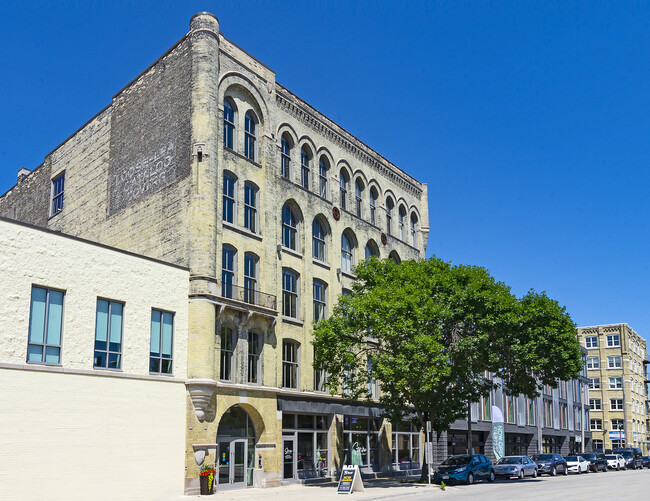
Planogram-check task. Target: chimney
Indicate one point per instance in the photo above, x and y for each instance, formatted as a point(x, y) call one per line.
point(23, 173)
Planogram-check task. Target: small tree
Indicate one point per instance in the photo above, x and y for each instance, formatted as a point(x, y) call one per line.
point(432, 330)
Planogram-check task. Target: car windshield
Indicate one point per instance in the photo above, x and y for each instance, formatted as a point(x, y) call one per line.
point(626, 454)
point(589, 456)
point(611, 456)
point(543, 457)
point(509, 460)
point(456, 461)
point(571, 458)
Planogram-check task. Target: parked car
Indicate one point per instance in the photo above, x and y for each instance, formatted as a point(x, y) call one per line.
point(577, 464)
point(464, 468)
point(615, 462)
point(550, 464)
point(646, 461)
point(597, 460)
point(515, 466)
point(632, 457)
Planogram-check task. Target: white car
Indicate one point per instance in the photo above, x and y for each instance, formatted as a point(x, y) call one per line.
point(615, 462)
point(577, 464)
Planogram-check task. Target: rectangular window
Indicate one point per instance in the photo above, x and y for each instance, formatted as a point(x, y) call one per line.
point(228, 198)
point(578, 418)
point(510, 404)
point(614, 362)
point(254, 353)
point(45, 326)
point(593, 363)
point(249, 137)
point(56, 197)
point(616, 404)
point(289, 294)
point(591, 342)
point(594, 383)
point(250, 279)
point(564, 421)
point(162, 339)
point(227, 351)
point(615, 383)
point(289, 364)
point(227, 271)
point(531, 412)
point(595, 404)
point(487, 408)
point(613, 340)
point(617, 424)
point(304, 169)
point(108, 334)
point(285, 158)
point(250, 208)
point(597, 444)
point(596, 424)
point(320, 305)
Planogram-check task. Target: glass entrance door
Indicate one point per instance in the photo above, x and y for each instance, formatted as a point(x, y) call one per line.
point(289, 459)
point(232, 464)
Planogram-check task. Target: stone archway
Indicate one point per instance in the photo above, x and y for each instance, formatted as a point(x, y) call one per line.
point(235, 458)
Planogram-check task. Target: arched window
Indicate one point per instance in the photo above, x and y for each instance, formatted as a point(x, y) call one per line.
point(395, 257)
point(285, 156)
point(228, 340)
point(289, 293)
point(414, 229)
point(289, 227)
point(250, 278)
point(250, 136)
point(344, 182)
point(323, 172)
point(227, 270)
point(347, 252)
point(402, 223)
point(229, 197)
point(373, 205)
point(305, 167)
point(389, 215)
point(250, 207)
point(228, 124)
point(372, 249)
point(319, 234)
point(358, 192)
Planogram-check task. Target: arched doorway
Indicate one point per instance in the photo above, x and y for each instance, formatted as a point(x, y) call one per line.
point(235, 450)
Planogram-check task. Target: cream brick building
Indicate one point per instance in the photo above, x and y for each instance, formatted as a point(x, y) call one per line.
point(616, 358)
point(205, 161)
point(78, 413)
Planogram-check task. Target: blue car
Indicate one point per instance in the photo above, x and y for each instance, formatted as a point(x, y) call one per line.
point(464, 469)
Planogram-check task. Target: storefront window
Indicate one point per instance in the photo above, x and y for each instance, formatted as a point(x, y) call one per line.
point(310, 433)
point(361, 440)
point(406, 445)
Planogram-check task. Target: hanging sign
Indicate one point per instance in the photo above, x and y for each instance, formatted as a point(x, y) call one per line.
point(350, 480)
point(498, 433)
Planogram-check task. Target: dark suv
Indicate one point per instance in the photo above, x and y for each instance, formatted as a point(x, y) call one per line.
point(633, 458)
point(597, 461)
point(550, 464)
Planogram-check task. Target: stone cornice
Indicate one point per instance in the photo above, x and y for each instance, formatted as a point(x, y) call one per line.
point(317, 123)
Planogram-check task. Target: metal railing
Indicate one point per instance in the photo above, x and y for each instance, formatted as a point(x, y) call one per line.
point(250, 296)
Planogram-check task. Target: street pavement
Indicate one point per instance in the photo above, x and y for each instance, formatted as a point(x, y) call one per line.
point(612, 485)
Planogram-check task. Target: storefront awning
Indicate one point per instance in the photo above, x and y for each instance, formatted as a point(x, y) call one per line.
point(302, 406)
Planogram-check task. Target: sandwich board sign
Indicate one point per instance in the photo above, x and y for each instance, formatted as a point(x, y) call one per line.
point(350, 480)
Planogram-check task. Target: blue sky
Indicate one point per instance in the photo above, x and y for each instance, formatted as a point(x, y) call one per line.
point(528, 120)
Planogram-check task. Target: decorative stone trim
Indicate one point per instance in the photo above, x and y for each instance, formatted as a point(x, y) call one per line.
point(201, 391)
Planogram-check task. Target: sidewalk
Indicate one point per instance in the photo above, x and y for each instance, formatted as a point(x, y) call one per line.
point(375, 489)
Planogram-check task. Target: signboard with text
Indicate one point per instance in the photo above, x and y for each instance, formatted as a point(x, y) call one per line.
point(350, 480)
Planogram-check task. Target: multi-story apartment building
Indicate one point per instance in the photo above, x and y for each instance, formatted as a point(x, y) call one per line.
point(616, 355)
point(206, 162)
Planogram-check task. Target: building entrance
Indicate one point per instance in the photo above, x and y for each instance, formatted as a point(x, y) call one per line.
point(235, 450)
point(288, 459)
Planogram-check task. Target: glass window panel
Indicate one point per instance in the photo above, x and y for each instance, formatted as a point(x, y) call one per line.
point(34, 353)
point(114, 360)
point(167, 334)
point(101, 322)
point(52, 354)
point(155, 333)
point(116, 324)
point(305, 421)
point(288, 421)
point(55, 315)
point(37, 318)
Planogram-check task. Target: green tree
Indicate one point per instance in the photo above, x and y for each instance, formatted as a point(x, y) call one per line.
point(432, 330)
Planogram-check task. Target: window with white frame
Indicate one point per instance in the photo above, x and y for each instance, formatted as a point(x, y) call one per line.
point(358, 197)
point(320, 300)
point(45, 326)
point(250, 278)
point(289, 227)
point(108, 334)
point(594, 383)
point(595, 404)
point(613, 340)
point(162, 341)
point(250, 207)
point(616, 404)
point(344, 181)
point(323, 173)
point(254, 357)
point(615, 383)
point(228, 124)
point(228, 197)
point(402, 223)
point(389, 215)
point(373, 205)
point(56, 194)
point(285, 156)
point(227, 270)
point(617, 424)
point(319, 235)
point(592, 363)
point(347, 252)
point(250, 136)
point(614, 362)
point(597, 444)
point(591, 342)
point(305, 167)
point(289, 293)
point(227, 353)
point(290, 363)
point(596, 424)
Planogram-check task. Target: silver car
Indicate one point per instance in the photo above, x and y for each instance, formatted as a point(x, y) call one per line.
point(515, 466)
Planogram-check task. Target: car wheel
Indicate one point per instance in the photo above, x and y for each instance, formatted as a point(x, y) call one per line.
point(618, 467)
point(521, 474)
point(535, 473)
point(553, 471)
point(566, 470)
point(470, 478)
point(491, 477)
point(579, 470)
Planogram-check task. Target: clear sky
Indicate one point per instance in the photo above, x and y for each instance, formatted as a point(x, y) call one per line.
point(528, 120)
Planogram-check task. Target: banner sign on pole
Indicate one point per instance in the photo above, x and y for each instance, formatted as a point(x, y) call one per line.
point(350, 480)
point(498, 433)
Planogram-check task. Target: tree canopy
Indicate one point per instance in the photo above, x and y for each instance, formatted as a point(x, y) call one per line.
point(428, 332)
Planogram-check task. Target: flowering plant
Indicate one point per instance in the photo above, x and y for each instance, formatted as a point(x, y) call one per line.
point(208, 471)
